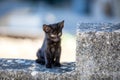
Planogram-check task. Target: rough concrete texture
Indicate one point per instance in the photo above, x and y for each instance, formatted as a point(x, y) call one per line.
point(98, 51)
point(97, 58)
point(20, 69)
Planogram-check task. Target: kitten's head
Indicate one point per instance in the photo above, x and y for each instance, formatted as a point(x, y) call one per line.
point(54, 31)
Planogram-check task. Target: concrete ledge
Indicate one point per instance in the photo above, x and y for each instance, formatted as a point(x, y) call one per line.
point(21, 69)
point(97, 58)
point(98, 51)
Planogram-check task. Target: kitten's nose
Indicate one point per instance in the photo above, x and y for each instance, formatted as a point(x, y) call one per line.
point(56, 39)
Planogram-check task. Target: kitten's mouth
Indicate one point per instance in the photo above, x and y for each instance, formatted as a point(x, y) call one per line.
point(55, 40)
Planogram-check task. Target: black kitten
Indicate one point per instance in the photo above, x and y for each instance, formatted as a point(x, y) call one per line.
point(50, 52)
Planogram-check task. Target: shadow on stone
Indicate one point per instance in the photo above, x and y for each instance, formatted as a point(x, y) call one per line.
point(30, 70)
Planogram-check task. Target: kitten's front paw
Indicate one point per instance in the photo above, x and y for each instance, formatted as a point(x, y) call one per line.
point(57, 65)
point(48, 66)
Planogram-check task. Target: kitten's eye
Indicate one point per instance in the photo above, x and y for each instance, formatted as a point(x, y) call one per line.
point(52, 35)
point(60, 34)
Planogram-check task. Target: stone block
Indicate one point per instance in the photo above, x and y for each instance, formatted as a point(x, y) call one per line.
point(98, 51)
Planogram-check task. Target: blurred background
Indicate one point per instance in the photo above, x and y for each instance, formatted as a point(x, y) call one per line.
point(21, 21)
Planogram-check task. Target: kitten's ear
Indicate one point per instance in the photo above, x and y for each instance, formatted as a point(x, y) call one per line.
point(61, 24)
point(46, 28)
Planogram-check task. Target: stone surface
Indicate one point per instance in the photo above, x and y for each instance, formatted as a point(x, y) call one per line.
point(21, 69)
point(97, 58)
point(98, 51)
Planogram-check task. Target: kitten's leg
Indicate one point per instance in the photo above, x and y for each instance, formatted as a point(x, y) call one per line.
point(53, 59)
point(48, 60)
point(57, 58)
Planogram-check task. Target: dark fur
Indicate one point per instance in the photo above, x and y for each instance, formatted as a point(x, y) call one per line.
point(50, 52)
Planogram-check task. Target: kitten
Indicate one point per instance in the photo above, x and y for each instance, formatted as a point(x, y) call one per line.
point(50, 52)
